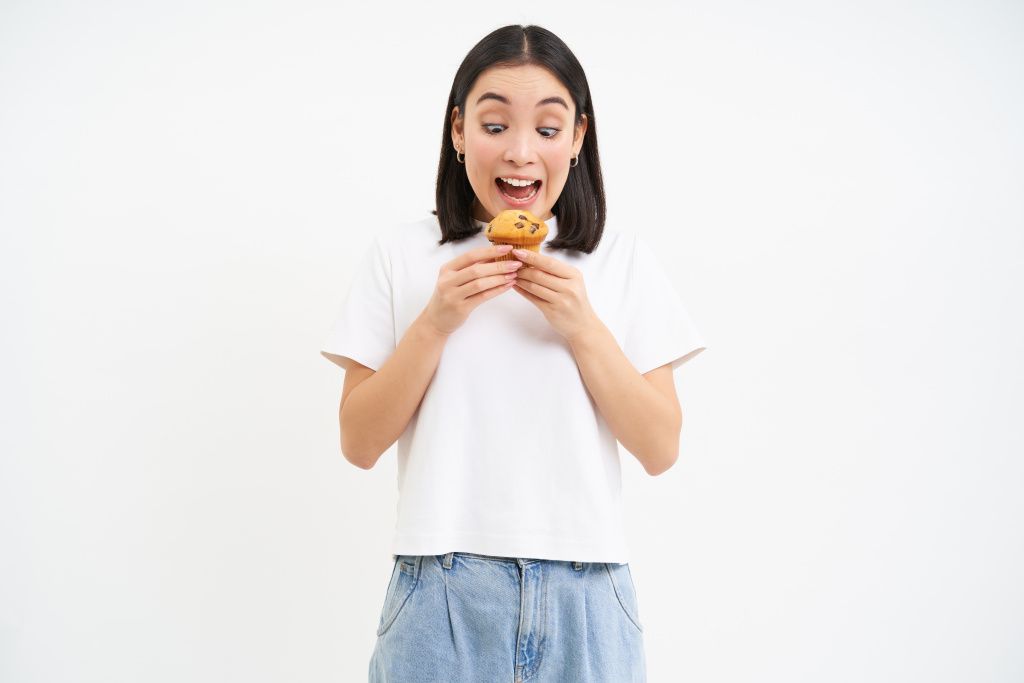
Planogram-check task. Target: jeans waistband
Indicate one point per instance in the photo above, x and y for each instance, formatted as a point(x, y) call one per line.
point(521, 561)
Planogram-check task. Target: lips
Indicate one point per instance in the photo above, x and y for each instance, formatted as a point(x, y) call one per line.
point(528, 193)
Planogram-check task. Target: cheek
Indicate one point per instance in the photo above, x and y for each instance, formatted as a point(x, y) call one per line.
point(557, 164)
point(556, 158)
point(482, 154)
point(483, 147)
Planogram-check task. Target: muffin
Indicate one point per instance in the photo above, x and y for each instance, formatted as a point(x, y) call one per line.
point(519, 228)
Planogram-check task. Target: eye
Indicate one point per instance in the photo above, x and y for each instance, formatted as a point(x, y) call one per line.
point(488, 128)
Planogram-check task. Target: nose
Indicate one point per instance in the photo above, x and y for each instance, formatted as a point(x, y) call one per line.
point(520, 150)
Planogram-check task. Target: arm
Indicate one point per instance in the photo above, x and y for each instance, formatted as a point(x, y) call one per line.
point(642, 410)
point(375, 411)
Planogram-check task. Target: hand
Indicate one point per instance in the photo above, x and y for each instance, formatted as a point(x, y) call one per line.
point(464, 283)
point(557, 289)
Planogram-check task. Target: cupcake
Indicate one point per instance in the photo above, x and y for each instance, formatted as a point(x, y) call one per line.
point(519, 228)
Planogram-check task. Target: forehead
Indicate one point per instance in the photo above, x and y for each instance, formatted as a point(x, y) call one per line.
point(524, 86)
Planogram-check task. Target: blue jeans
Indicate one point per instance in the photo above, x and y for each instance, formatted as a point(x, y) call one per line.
point(468, 618)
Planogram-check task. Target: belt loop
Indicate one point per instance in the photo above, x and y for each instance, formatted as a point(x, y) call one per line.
point(448, 560)
point(577, 566)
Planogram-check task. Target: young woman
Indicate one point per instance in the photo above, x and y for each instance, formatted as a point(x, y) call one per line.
point(507, 389)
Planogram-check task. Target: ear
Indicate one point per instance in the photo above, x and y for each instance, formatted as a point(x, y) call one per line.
point(577, 138)
point(458, 131)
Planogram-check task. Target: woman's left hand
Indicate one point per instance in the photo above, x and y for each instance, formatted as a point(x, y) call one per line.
point(557, 289)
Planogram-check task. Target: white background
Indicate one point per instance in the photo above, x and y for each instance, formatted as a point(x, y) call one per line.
point(186, 187)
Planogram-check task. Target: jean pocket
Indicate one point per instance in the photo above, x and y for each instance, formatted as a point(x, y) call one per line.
point(625, 591)
point(405, 575)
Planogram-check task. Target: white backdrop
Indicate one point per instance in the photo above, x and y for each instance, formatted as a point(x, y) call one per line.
point(836, 188)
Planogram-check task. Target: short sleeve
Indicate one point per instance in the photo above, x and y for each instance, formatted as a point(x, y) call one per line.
point(364, 329)
point(659, 330)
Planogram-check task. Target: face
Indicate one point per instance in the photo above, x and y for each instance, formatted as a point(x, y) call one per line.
point(518, 123)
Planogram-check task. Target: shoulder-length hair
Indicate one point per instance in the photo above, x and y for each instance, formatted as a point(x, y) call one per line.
point(580, 208)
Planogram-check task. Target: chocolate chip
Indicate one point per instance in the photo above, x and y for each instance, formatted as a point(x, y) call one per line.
point(522, 216)
point(535, 226)
point(490, 227)
point(520, 225)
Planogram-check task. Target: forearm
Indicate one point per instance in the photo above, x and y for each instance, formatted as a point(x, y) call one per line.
point(640, 417)
point(378, 410)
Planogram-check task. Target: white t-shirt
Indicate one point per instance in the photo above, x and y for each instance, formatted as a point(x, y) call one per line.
point(469, 480)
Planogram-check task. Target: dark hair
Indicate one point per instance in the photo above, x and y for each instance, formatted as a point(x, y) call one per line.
point(580, 208)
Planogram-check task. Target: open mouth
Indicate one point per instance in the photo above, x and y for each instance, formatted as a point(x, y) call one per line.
point(518, 194)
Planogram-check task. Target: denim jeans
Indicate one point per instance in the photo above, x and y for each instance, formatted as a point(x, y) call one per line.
point(468, 618)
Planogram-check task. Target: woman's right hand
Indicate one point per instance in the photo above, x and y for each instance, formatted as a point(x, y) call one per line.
point(467, 281)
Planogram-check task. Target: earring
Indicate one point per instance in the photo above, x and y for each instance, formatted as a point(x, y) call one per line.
point(577, 160)
point(457, 153)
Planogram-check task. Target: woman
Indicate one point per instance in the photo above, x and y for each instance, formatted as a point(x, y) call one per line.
point(510, 560)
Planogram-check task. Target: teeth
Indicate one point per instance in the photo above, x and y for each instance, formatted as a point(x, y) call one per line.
point(517, 182)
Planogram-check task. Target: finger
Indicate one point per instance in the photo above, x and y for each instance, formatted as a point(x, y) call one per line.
point(484, 288)
point(543, 261)
point(532, 297)
point(538, 291)
point(479, 270)
point(477, 255)
point(534, 274)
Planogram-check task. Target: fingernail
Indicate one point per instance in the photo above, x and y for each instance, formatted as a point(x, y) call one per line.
point(504, 247)
point(519, 252)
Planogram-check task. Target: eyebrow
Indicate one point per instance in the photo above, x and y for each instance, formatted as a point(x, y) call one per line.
point(505, 100)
